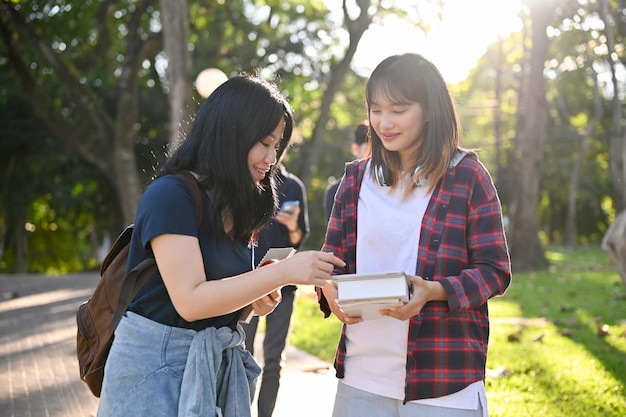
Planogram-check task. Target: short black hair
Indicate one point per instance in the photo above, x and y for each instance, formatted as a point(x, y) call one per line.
point(361, 134)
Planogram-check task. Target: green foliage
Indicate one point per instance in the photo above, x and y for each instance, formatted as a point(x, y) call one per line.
point(310, 331)
point(347, 111)
point(295, 44)
point(557, 345)
point(576, 57)
point(294, 41)
point(298, 43)
point(480, 108)
point(51, 201)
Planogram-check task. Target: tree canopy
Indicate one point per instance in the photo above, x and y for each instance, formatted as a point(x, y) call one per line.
point(87, 109)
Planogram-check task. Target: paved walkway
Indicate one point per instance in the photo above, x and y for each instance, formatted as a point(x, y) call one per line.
point(39, 371)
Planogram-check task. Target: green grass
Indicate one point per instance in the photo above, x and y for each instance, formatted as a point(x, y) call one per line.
point(558, 339)
point(310, 331)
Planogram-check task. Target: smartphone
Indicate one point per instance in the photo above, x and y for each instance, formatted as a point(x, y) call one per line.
point(289, 207)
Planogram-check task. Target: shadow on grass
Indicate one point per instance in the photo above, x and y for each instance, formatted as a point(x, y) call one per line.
point(570, 334)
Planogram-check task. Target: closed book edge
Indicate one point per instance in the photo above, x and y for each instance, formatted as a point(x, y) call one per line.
point(369, 310)
point(392, 301)
point(372, 286)
point(369, 276)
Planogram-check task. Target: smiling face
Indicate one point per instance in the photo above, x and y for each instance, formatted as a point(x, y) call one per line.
point(400, 126)
point(262, 155)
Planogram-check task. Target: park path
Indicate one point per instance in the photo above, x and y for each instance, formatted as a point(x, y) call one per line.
point(39, 370)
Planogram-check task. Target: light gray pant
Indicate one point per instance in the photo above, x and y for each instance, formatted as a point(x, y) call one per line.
point(353, 402)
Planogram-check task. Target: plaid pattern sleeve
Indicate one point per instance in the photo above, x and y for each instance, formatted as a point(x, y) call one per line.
point(341, 239)
point(462, 246)
point(473, 262)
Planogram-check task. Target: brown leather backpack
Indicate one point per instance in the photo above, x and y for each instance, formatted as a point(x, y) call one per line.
point(98, 317)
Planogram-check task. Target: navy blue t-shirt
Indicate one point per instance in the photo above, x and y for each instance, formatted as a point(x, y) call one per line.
point(167, 207)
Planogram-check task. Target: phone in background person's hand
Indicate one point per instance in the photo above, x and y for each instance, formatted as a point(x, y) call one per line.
point(289, 207)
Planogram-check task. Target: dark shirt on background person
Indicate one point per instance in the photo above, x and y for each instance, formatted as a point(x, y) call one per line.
point(359, 150)
point(277, 323)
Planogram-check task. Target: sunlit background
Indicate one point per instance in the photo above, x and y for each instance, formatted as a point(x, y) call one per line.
point(456, 39)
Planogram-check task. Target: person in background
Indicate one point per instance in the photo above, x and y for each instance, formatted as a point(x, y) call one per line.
point(179, 349)
point(359, 149)
point(290, 227)
point(422, 205)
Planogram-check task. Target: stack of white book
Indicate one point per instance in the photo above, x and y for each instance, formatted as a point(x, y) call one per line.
point(363, 295)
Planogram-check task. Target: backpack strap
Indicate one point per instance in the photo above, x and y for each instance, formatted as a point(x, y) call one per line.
point(139, 275)
point(132, 283)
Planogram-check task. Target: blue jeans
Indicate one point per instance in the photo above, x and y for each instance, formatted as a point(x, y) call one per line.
point(144, 370)
point(276, 332)
point(353, 402)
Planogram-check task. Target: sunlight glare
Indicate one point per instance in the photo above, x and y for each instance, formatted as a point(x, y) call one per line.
point(454, 44)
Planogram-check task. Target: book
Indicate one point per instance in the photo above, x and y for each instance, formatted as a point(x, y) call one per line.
point(272, 254)
point(363, 295)
point(276, 254)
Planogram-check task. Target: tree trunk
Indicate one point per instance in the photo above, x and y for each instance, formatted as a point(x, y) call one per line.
point(20, 236)
point(311, 149)
point(21, 251)
point(497, 116)
point(103, 140)
point(571, 230)
point(617, 157)
point(175, 21)
point(527, 252)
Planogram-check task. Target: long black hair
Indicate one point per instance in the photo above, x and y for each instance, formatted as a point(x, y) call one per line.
point(235, 117)
point(411, 78)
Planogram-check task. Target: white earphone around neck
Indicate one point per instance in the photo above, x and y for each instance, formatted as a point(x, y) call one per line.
point(383, 176)
point(383, 173)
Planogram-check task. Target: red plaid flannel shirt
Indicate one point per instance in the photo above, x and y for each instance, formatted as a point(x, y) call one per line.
point(463, 246)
